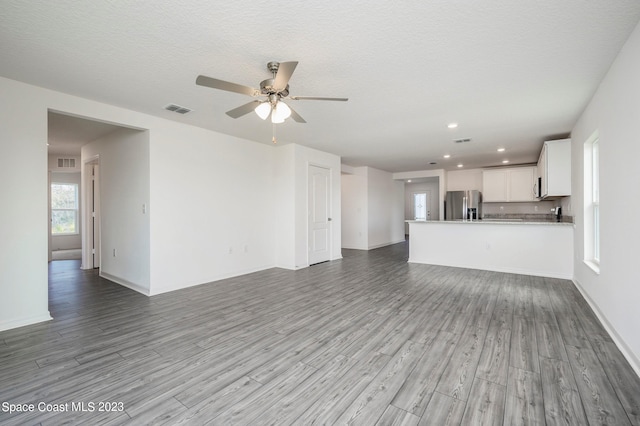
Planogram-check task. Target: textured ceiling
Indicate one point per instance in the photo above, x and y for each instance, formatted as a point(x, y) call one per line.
point(511, 73)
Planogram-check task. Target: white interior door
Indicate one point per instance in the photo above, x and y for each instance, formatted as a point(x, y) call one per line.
point(91, 215)
point(319, 219)
point(50, 258)
point(95, 222)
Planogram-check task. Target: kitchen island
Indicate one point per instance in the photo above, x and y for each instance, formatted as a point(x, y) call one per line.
point(530, 248)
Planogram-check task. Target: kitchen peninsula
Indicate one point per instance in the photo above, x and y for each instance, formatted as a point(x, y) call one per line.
point(541, 248)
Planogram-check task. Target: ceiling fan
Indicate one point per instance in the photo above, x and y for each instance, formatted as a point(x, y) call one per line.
point(275, 89)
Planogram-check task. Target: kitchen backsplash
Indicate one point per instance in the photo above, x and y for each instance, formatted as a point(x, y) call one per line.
point(539, 207)
point(535, 211)
point(529, 217)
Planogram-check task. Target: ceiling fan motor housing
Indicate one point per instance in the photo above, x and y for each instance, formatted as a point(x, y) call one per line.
point(266, 88)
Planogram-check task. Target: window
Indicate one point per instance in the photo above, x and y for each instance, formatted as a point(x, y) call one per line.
point(592, 203)
point(64, 208)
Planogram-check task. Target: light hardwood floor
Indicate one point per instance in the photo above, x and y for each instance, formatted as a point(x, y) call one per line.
point(368, 340)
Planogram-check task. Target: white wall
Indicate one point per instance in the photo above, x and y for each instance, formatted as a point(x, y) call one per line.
point(124, 188)
point(212, 207)
point(66, 242)
point(23, 228)
point(373, 211)
point(385, 208)
point(285, 211)
point(614, 111)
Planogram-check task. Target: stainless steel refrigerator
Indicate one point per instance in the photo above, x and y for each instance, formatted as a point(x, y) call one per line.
point(463, 205)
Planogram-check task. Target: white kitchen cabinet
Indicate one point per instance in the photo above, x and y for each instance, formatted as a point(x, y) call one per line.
point(554, 168)
point(494, 185)
point(509, 184)
point(521, 184)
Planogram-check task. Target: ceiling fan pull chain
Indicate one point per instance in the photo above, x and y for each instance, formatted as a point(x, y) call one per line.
point(273, 139)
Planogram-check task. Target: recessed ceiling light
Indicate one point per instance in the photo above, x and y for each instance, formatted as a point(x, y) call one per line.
point(408, 180)
point(505, 161)
point(447, 156)
point(501, 149)
point(460, 165)
point(452, 125)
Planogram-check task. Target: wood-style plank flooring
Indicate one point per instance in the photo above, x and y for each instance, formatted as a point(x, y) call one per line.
point(368, 340)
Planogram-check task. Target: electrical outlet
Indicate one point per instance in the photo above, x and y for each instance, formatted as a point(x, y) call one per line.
point(230, 251)
point(246, 248)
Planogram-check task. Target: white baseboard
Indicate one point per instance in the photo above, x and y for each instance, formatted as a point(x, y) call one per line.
point(21, 322)
point(372, 247)
point(375, 246)
point(633, 360)
point(125, 283)
point(290, 267)
point(348, 247)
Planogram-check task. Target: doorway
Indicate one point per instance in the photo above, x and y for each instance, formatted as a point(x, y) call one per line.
point(421, 202)
point(66, 135)
point(319, 219)
point(423, 199)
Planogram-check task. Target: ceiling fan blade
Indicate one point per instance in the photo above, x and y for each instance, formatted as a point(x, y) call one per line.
point(316, 98)
point(243, 109)
point(285, 69)
point(296, 116)
point(203, 80)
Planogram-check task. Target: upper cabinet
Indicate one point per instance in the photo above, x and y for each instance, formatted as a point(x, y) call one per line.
point(554, 169)
point(509, 184)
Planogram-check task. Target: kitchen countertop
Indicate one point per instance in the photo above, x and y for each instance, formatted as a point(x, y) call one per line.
point(493, 222)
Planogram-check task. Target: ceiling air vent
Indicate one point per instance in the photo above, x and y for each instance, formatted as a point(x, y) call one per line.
point(464, 140)
point(177, 108)
point(66, 163)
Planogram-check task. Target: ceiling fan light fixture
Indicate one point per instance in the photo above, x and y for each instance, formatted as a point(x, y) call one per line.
point(281, 112)
point(276, 120)
point(263, 110)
